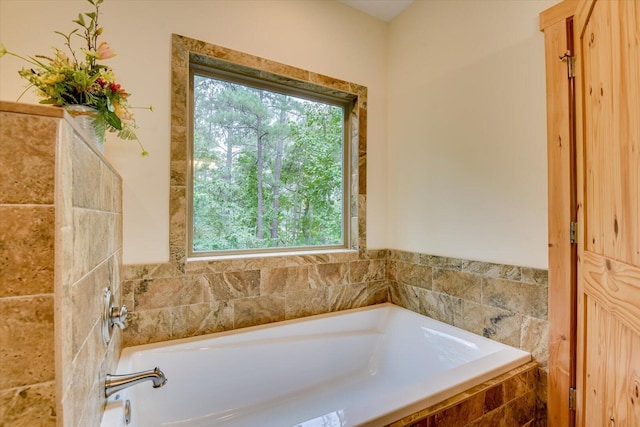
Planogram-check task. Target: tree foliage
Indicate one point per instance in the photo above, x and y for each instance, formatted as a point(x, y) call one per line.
point(267, 169)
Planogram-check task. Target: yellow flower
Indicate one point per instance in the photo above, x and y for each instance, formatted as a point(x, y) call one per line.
point(104, 51)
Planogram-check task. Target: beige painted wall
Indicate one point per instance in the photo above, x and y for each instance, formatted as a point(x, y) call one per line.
point(324, 36)
point(456, 156)
point(467, 138)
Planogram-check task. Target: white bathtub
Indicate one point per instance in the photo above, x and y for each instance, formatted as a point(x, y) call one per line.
point(368, 366)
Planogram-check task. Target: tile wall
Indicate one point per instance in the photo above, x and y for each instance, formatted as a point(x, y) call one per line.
point(503, 302)
point(170, 302)
point(507, 400)
point(60, 245)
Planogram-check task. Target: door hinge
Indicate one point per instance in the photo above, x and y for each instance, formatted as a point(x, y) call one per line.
point(572, 399)
point(571, 63)
point(573, 232)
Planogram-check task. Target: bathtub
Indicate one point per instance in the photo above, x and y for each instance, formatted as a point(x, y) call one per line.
point(368, 366)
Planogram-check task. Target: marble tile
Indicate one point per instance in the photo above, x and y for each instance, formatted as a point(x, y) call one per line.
point(28, 321)
point(87, 302)
point(541, 379)
point(152, 271)
point(521, 410)
point(495, 418)
point(481, 394)
point(441, 262)
point(306, 302)
point(442, 307)
point(232, 284)
point(33, 405)
point(409, 297)
point(147, 326)
point(379, 292)
point(178, 173)
point(535, 276)
point(493, 398)
point(414, 274)
point(177, 215)
point(367, 271)
point(486, 269)
point(26, 240)
point(500, 325)
point(94, 239)
point(170, 292)
point(519, 385)
point(200, 319)
point(279, 280)
point(346, 297)
point(534, 339)
point(412, 257)
point(524, 298)
point(86, 367)
point(86, 177)
point(285, 70)
point(258, 310)
point(458, 284)
point(323, 275)
point(329, 81)
point(179, 147)
point(462, 414)
point(27, 158)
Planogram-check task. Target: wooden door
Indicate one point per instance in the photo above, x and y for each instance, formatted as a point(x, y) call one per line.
point(557, 24)
point(608, 126)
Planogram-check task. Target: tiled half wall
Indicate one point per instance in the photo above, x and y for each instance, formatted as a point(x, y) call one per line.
point(60, 245)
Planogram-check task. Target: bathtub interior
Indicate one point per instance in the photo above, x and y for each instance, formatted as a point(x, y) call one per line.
point(369, 365)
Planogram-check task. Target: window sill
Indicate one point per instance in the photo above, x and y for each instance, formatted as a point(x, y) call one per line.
point(271, 255)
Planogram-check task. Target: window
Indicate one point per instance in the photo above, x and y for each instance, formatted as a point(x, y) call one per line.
point(269, 157)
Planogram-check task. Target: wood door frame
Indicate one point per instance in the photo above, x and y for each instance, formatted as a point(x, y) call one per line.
point(556, 22)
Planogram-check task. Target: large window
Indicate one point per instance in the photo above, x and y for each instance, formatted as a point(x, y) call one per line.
point(269, 166)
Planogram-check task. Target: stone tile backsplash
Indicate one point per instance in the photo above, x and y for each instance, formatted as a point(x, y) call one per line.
point(171, 301)
point(500, 302)
point(503, 302)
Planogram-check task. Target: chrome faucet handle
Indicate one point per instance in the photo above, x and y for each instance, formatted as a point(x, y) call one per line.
point(118, 316)
point(112, 316)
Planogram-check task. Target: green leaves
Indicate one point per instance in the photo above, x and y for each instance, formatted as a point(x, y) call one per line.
point(112, 119)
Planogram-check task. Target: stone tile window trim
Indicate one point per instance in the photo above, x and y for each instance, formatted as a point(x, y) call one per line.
point(185, 51)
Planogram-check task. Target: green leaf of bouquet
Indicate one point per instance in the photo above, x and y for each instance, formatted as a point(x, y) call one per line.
point(113, 120)
point(80, 20)
point(47, 101)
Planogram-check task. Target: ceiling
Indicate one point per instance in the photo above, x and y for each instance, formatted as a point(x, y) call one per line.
point(385, 10)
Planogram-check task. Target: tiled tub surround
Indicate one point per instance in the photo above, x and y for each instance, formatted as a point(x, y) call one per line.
point(502, 302)
point(172, 301)
point(60, 245)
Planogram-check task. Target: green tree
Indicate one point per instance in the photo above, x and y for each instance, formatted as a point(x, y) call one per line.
point(267, 169)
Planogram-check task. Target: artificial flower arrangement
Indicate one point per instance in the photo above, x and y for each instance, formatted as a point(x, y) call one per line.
point(64, 80)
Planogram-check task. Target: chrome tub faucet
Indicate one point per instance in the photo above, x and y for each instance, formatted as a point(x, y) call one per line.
point(115, 383)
